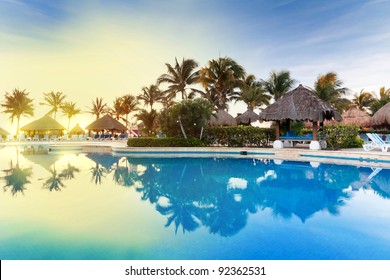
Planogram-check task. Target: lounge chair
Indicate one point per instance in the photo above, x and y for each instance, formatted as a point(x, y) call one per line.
point(35, 137)
point(74, 137)
point(376, 142)
point(10, 138)
point(45, 137)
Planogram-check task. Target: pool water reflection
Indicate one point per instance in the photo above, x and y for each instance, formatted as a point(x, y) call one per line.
point(97, 206)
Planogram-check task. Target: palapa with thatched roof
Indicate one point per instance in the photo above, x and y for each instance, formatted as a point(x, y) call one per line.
point(106, 123)
point(382, 117)
point(46, 124)
point(247, 117)
point(300, 104)
point(76, 130)
point(356, 116)
point(222, 118)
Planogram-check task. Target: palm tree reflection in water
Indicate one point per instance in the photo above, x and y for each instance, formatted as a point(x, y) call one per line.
point(16, 178)
point(221, 193)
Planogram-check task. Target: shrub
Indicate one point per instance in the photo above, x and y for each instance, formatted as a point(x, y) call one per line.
point(342, 136)
point(164, 142)
point(238, 136)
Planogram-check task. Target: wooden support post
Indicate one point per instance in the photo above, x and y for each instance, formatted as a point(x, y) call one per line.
point(315, 128)
point(277, 137)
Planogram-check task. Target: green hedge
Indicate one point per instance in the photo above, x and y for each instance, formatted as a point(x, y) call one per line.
point(239, 136)
point(342, 136)
point(164, 142)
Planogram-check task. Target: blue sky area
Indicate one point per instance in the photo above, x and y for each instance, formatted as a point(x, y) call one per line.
point(94, 48)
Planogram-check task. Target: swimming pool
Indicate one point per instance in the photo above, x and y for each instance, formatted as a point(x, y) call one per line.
point(98, 206)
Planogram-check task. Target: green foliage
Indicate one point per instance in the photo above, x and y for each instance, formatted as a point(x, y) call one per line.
point(342, 136)
point(239, 136)
point(193, 114)
point(164, 142)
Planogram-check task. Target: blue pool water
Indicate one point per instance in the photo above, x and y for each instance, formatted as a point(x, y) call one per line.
point(96, 206)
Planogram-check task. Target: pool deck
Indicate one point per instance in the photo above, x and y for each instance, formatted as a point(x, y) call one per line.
point(357, 156)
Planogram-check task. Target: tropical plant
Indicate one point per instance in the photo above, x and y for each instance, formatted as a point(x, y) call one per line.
point(69, 109)
point(98, 172)
point(151, 95)
point(329, 88)
point(98, 107)
point(278, 84)
point(179, 77)
point(18, 104)
point(189, 117)
point(54, 100)
point(363, 99)
point(129, 104)
point(149, 119)
point(220, 79)
point(68, 172)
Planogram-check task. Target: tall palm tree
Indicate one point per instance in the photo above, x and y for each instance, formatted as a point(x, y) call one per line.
point(54, 100)
point(98, 107)
point(54, 182)
point(329, 88)
point(363, 99)
point(151, 95)
point(69, 109)
point(18, 104)
point(179, 77)
point(220, 79)
point(129, 105)
point(16, 178)
point(278, 84)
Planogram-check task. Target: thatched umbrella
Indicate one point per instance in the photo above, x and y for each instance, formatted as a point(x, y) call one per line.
point(247, 117)
point(43, 125)
point(106, 123)
point(222, 118)
point(382, 117)
point(77, 130)
point(3, 131)
point(356, 116)
point(300, 104)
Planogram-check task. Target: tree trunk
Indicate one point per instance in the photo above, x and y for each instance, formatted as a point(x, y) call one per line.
point(201, 133)
point(182, 128)
point(17, 127)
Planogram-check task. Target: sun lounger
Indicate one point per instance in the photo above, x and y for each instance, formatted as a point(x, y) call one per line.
point(10, 138)
point(376, 142)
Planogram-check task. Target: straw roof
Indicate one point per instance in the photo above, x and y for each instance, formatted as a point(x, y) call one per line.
point(106, 122)
point(77, 130)
point(45, 123)
point(247, 117)
point(3, 131)
point(356, 116)
point(300, 104)
point(222, 118)
point(382, 117)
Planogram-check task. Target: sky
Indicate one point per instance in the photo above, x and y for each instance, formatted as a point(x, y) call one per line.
point(96, 48)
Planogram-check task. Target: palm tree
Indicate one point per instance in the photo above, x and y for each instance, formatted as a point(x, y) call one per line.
point(149, 119)
point(68, 173)
point(151, 95)
point(384, 98)
point(363, 99)
point(219, 79)
point(129, 105)
point(255, 96)
point(116, 110)
point(98, 107)
point(69, 109)
point(18, 104)
point(329, 88)
point(179, 77)
point(54, 100)
point(278, 84)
